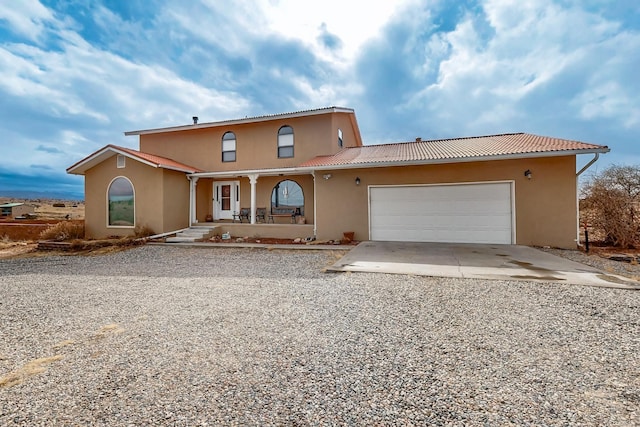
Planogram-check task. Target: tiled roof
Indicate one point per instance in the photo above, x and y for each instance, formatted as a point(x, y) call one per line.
point(161, 162)
point(458, 149)
point(110, 150)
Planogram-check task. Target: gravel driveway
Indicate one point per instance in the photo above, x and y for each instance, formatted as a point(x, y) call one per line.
point(221, 336)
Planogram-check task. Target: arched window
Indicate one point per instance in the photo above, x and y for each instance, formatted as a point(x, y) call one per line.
point(121, 203)
point(285, 142)
point(288, 195)
point(229, 147)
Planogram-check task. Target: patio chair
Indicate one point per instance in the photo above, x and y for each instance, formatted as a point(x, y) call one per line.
point(244, 213)
point(261, 213)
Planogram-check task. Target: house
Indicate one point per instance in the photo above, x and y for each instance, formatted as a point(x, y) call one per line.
point(16, 210)
point(312, 176)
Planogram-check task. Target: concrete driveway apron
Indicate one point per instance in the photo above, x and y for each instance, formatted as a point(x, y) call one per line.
point(479, 261)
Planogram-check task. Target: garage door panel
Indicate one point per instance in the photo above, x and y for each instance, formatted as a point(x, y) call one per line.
point(478, 213)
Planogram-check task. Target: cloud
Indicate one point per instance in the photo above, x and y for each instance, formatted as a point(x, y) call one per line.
point(75, 75)
point(328, 40)
point(43, 167)
point(26, 18)
point(502, 67)
point(49, 149)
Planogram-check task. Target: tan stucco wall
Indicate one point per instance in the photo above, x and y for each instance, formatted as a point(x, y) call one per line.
point(545, 205)
point(175, 200)
point(264, 188)
point(159, 198)
point(256, 143)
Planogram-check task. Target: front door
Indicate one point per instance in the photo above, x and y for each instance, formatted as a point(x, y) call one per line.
point(226, 197)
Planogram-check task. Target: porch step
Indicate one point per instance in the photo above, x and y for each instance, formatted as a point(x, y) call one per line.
point(192, 234)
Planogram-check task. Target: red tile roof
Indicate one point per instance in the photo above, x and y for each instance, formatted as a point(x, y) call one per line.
point(161, 162)
point(110, 150)
point(458, 149)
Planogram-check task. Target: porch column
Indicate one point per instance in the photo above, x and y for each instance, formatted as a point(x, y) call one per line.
point(253, 180)
point(315, 204)
point(192, 200)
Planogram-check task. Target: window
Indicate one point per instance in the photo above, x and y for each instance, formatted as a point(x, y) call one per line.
point(121, 203)
point(288, 195)
point(229, 147)
point(340, 137)
point(285, 142)
point(120, 161)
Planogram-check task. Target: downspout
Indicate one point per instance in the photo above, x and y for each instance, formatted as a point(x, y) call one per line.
point(596, 156)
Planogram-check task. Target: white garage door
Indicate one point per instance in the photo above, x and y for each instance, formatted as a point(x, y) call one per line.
point(459, 213)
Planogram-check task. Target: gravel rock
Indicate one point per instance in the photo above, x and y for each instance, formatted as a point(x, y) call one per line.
point(626, 268)
point(223, 336)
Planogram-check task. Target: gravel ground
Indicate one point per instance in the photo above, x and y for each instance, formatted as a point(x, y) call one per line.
point(220, 336)
point(599, 262)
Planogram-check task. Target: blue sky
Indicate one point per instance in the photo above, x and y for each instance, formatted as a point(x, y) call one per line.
point(76, 74)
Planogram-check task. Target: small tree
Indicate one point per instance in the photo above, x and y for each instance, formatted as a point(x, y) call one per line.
point(611, 205)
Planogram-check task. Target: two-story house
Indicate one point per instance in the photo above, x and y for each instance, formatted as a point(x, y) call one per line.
point(308, 174)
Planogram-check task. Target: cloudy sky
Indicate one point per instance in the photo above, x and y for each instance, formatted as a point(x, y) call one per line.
point(76, 74)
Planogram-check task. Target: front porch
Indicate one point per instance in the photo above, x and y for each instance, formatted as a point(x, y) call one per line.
point(283, 231)
point(273, 204)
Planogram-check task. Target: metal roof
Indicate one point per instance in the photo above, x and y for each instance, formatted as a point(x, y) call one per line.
point(255, 119)
point(456, 150)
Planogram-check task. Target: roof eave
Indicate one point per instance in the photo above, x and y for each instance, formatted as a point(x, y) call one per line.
point(364, 165)
point(88, 162)
point(232, 122)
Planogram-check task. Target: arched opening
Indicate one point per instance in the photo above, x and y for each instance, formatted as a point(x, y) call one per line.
point(121, 203)
point(288, 194)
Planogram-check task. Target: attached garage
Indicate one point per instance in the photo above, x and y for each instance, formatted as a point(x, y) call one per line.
point(458, 213)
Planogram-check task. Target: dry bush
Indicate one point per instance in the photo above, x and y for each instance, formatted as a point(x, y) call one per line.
point(63, 231)
point(143, 231)
point(610, 205)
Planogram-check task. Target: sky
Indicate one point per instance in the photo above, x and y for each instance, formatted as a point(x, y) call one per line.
point(76, 74)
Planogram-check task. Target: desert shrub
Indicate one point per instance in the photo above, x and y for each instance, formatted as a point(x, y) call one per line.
point(143, 231)
point(58, 205)
point(63, 231)
point(610, 204)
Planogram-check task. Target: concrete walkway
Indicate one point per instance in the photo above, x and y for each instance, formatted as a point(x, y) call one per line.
point(480, 261)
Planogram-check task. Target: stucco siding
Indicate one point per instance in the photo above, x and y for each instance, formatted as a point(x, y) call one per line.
point(147, 183)
point(256, 143)
point(545, 206)
point(175, 201)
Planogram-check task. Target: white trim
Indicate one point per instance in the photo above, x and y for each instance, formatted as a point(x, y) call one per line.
point(234, 205)
point(104, 151)
point(134, 204)
point(315, 206)
point(312, 169)
point(506, 181)
point(232, 122)
point(401, 163)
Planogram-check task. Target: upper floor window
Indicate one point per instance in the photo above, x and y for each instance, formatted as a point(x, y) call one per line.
point(229, 147)
point(285, 142)
point(340, 142)
point(121, 200)
point(120, 161)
